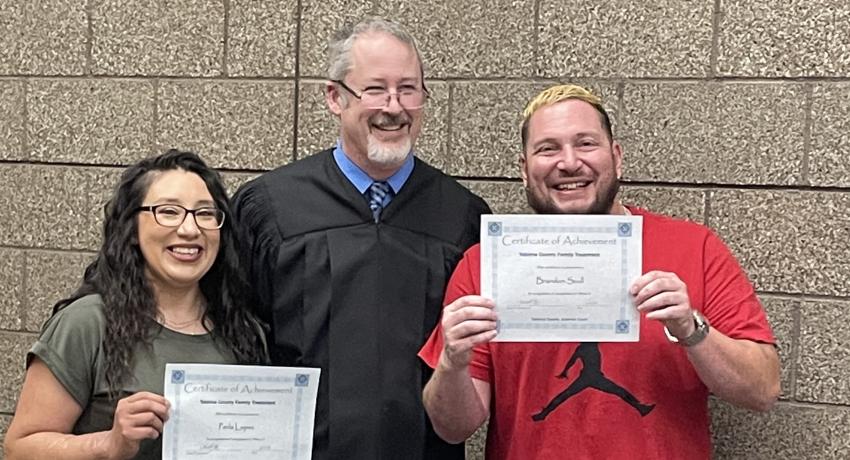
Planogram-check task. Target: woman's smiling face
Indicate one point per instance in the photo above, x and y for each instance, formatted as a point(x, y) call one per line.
point(177, 257)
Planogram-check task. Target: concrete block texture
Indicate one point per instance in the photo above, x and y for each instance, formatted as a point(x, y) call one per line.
point(231, 124)
point(789, 431)
point(781, 313)
point(12, 285)
point(485, 129)
point(783, 38)
point(5, 420)
point(620, 38)
point(473, 38)
point(54, 207)
point(456, 39)
point(318, 128)
point(232, 181)
point(320, 19)
point(674, 202)
point(477, 443)
point(90, 121)
point(13, 349)
point(824, 356)
point(12, 122)
point(157, 37)
point(503, 197)
point(788, 241)
point(830, 135)
point(261, 38)
point(51, 276)
point(486, 117)
point(433, 143)
point(729, 133)
point(43, 37)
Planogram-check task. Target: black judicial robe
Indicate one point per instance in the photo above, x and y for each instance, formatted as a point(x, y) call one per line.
point(356, 298)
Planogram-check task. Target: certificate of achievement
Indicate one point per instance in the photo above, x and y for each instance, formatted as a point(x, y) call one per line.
point(562, 278)
point(239, 412)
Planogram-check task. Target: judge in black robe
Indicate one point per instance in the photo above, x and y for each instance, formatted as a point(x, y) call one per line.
point(357, 298)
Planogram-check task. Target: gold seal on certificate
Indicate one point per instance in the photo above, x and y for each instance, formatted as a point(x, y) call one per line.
point(228, 412)
point(562, 278)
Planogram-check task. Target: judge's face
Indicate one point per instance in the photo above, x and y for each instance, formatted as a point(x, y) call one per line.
point(570, 166)
point(177, 257)
point(378, 138)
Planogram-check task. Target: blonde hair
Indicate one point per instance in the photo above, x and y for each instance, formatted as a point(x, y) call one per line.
point(560, 93)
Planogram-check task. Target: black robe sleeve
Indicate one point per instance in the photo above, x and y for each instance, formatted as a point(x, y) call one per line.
point(356, 298)
point(260, 241)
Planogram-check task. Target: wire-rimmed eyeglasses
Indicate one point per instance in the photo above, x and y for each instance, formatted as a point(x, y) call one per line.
point(173, 215)
point(408, 96)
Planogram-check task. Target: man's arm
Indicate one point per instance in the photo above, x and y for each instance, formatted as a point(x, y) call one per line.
point(742, 372)
point(457, 403)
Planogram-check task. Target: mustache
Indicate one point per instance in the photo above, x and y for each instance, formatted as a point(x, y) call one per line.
point(383, 119)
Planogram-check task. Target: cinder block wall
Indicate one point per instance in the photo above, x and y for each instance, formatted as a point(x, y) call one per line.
point(732, 113)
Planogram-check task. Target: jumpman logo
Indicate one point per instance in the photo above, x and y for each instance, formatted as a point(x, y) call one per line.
point(591, 376)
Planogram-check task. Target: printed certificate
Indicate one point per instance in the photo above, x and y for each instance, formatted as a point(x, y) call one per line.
point(562, 278)
point(239, 412)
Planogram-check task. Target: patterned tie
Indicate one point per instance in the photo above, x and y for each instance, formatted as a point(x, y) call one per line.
point(378, 192)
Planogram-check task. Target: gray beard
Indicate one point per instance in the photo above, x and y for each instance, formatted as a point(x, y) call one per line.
point(387, 155)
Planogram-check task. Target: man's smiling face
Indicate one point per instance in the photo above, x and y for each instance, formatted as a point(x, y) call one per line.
point(378, 138)
point(570, 165)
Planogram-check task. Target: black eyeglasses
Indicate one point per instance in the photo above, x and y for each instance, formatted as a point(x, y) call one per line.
point(173, 215)
point(410, 97)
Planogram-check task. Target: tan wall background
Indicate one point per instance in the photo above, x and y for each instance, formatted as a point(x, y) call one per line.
point(734, 113)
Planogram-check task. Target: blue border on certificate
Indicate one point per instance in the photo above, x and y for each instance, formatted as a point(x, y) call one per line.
point(621, 230)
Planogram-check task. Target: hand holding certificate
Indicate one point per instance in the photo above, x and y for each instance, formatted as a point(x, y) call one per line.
point(239, 412)
point(562, 278)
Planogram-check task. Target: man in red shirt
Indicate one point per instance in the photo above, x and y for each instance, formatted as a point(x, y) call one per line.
point(702, 328)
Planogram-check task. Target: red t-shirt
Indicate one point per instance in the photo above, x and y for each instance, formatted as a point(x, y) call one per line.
point(617, 400)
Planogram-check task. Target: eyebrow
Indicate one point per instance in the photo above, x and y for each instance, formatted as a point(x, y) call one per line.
point(545, 140)
point(557, 139)
point(589, 133)
point(201, 203)
point(385, 82)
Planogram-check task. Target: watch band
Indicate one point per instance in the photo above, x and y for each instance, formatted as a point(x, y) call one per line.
point(701, 329)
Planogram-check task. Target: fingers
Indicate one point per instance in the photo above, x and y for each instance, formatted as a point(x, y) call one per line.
point(140, 426)
point(145, 401)
point(657, 305)
point(470, 335)
point(663, 296)
point(141, 416)
point(467, 322)
point(470, 300)
point(653, 283)
point(470, 309)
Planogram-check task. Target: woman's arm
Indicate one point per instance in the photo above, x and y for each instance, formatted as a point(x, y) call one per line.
point(46, 414)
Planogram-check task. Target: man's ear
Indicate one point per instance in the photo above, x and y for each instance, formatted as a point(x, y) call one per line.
point(522, 165)
point(617, 153)
point(334, 98)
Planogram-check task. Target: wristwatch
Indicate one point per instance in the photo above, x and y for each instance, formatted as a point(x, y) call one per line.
point(700, 331)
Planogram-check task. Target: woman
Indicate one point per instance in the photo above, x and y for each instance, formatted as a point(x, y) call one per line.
point(164, 287)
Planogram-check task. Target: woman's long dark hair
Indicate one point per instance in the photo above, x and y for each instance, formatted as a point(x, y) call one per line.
point(118, 274)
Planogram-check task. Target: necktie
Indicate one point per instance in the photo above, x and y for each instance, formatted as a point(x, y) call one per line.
point(378, 192)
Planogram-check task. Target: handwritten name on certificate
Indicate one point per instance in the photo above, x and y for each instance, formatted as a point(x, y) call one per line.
point(562, 278)
point(239, 412)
